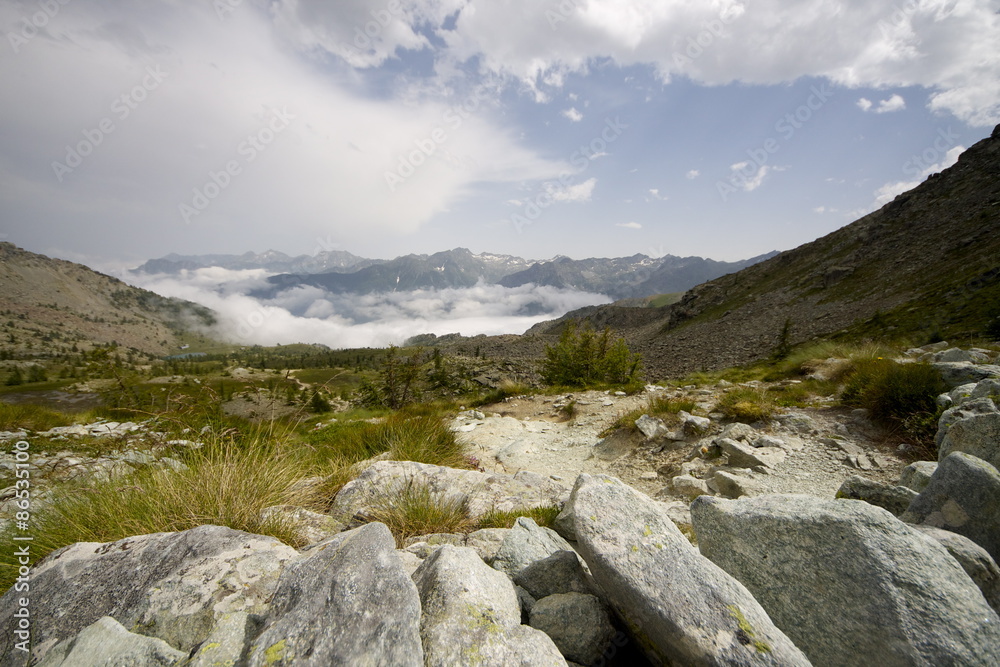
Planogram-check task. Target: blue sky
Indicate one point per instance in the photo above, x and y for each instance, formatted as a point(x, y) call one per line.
point(584, 128)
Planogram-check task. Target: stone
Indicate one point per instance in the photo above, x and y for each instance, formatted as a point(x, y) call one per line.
point(848, 582)
point(309, 527)
point(693, 425)
point(357, 501)
point(689, 486)
point(730, 485)
point(742, 455)
point(107, 643)
point(651, 427)
point(989, 388)
point(740, 431)
point(978, 435)
point(952, 354)
point(963, 496)
point(227, 642)
point(892, 498)
point(975, 560)
point(956, 374)
point(471, 615)
point(917, 475)
point(173, 586)
point(526, 543)
point(409, 561)
point(559, 573)
point(487, 542)
point(348, 601)
point(437, 539)
point(682, 608)
point(798, 422)
point(578, 624)
point(769, 441)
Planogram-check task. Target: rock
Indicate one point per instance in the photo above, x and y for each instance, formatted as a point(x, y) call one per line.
point(963, 496)
point(769, 441)
point(977, 434)
point(347, 602)
point(747, 456)
point(309, 527)
point(227, 642)
point(740, 431)
point(956, 374)
point(917, 475)
point(952, 354)
point(559, 573)
point(106, 642)
point(730, 485)
point(892, 498)
point(649, 476)
point(988, 388)
point(797, 422)
point(173, 586)
point(471, 615)
point(409, 561)
point(681, 608)
point(651, 427)
point(526, 543)
point(482, 491)
point(975, 560)
point(487, 542)
point(848, 582)
point(693, 425)
point(690, 487)
point(437, 539)
point(578, 624)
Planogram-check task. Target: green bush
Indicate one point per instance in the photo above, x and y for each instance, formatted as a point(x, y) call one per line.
point(897, 395)
point(584, 358)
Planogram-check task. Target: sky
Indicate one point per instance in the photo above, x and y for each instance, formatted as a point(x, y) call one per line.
point(723, 129)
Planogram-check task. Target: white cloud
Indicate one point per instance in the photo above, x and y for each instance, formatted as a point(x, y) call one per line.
point(573, 114)
point(894, 103)
point(654, 194)
point(948, 47)
point(747, 176)
point(629, 225)
point(309, 314)
point(574, 193)
point(693, 174)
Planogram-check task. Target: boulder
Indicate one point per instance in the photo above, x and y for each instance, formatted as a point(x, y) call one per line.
point(690, 486)
point(471, 615)
point(106, 642)
point(848, 582)
point(526, 543)
point(651, 427)
point(963, 496)
point(693, 425)
point(956, 374)
point(349, 601)
point(731, 485)
point(486, 542)
point(682, 608)
point(742, 455)
point(174, 586)
point(974, 559)
point(976, 434)
point(309, 527)
point(559, 573)
point(578, 624)
point(359, 498)
point(893, 498)
point(227, 643)
point(917, 475)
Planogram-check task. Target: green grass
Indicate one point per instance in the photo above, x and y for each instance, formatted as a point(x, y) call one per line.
point(543, 516)
point(748, 404)
point(507, 389)
point(413, 509)
point(661, 300)
point(897, 395)
point(666, 409)
point(30, 417)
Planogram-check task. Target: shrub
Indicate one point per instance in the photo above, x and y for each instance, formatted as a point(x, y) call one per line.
point(584, 358)
point(897, 395)
point(747, 404)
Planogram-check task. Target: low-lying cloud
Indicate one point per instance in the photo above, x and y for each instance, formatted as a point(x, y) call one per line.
point(311, 315)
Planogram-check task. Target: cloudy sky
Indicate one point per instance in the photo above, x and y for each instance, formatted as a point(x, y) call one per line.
point(724, 128)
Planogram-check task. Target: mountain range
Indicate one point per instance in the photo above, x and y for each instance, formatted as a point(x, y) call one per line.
point(340, 272)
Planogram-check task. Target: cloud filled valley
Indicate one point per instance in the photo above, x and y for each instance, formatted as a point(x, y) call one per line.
point(310, 314)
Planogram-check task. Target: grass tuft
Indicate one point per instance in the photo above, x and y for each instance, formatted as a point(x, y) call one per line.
point(414, 509)
point(543, 516)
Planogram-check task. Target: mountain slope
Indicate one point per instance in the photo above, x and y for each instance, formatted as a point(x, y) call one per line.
point(925, 265)
point(49, 305)
point(272, 260)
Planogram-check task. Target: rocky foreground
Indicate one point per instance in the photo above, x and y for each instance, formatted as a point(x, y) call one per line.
point(897, 571)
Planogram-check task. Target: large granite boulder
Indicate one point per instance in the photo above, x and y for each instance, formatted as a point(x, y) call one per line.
point(681, 607)
point(850, 583)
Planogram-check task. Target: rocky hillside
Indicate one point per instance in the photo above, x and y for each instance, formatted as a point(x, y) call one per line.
point(48, 304)
point(271, 260)
point(924, 266)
